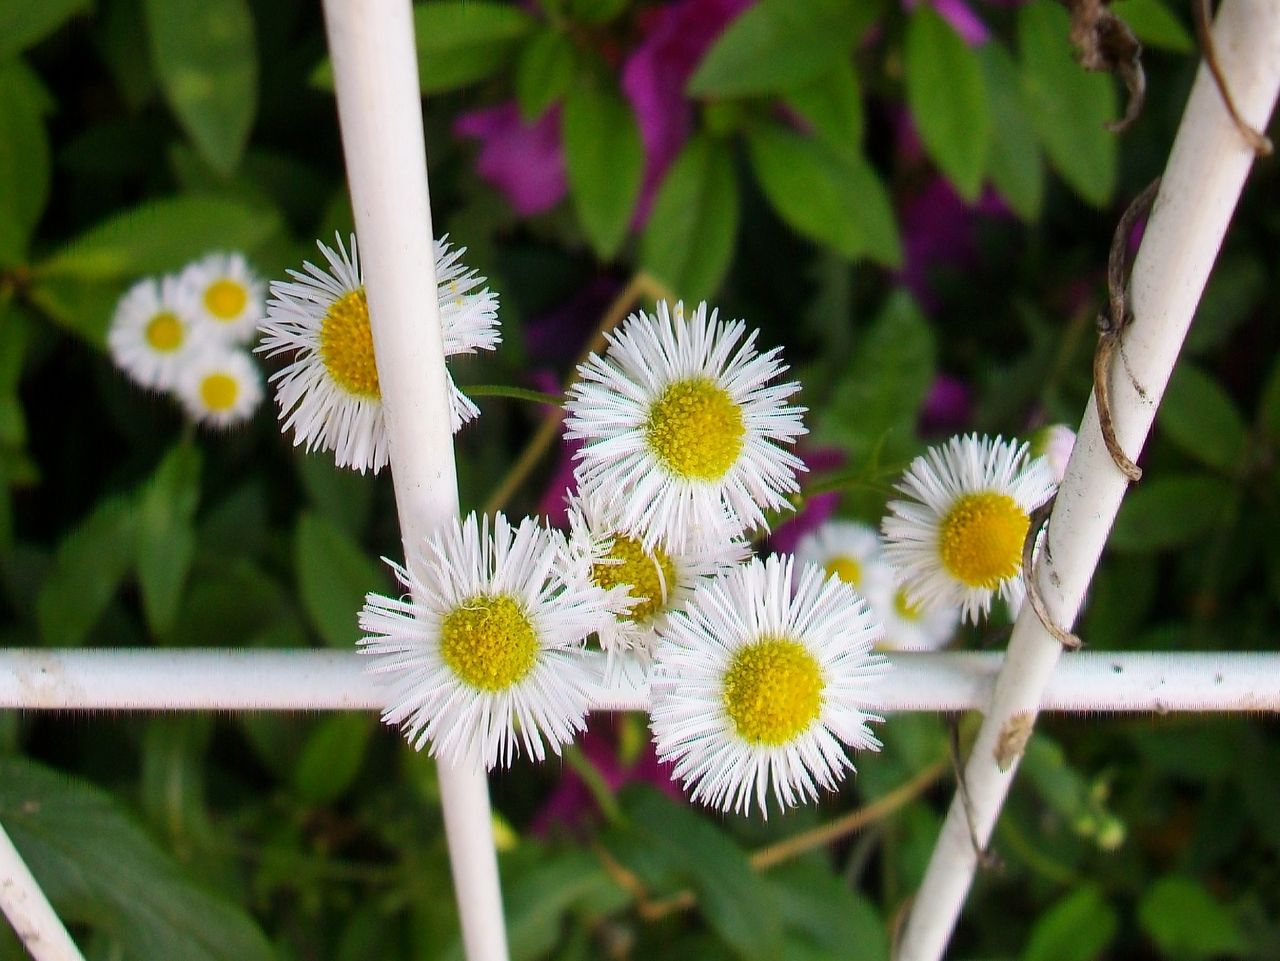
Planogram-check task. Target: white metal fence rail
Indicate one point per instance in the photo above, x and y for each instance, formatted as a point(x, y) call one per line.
point(380, 112)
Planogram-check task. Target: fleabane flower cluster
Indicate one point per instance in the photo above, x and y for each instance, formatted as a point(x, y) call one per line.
point(328, 393)
point(761, 672)
point(187, 334)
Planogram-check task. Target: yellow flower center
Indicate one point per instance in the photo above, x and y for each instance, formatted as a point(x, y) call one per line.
point(696, 429)
point(903, 607)
point(651, 576)
point(346, 345)
point(772, 690)
point(225, 299)
point(845, 568)
point(219, 391)
point(164, 332)
point(981, 539)
point(488, 642)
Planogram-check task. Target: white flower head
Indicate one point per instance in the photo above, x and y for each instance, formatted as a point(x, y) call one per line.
point(152, 333)
point(644, 586)
point(908, 627)
point(846, 549)
point(679, 415)
point(328, 393)
point(220, 386)
point(486, 657)
point(228, 296)
point(761, 683)
point(1054, 443)
point(957, 541)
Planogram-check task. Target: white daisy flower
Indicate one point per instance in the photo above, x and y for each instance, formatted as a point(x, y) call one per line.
point(643, 586)
point(958, 541)
point(762, 683)
point(228, 295)
point(908, 627)
point(680, 415)
point(1055, 444)
point(152, 333)
point(487, 655)
point(220, 386)
point(328, 393)
point(845, 549)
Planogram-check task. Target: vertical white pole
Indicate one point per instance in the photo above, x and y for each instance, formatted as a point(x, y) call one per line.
point(376, 77)
point(1201, 185)
point(29, 911)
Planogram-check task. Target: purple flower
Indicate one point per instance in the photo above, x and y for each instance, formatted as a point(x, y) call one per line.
point(571, 804)
point(817, 509)
point(676, 37)
point(948, 406)
point(524, 161)
point(962, 19)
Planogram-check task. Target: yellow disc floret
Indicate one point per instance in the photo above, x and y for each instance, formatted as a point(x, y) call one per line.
point(346, 345)
point(981, 539)
point(903, 607)
point(772, 690)
point(219, 391)
point(649, 575)
point(164, 332)
point(696, 429)
point(846, 568)
point(488, 642)
point(225, 299)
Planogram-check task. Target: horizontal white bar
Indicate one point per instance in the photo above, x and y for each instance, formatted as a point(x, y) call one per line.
point(307, 680)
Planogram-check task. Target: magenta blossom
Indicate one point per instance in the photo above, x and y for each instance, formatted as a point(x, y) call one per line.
point(524, 161)
point(962, 19)
point(817, 510)
point(948, 406)
point(675, 38)
point(570, 804)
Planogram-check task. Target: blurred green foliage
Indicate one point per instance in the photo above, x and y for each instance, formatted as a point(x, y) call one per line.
point(137, 134)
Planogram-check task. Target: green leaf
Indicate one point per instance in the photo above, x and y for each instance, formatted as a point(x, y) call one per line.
point(688, 242)
point(205, 60)
point(826, 197)
point(778, 45)
point(1077, 928)
point(24, 158)
point(459, 42)
point(604, 160)
point(1200, 417)
point(877, 402)
point(1155, 25)
point(24, 23)
point(87, 570)
point(1269, 405)
point(596, 11)
point(1187, 923)
point(331, 757)
point(159, 236)
point(1168, 512)
point(537, 901)
point(833, 105)
point(1013, 159)
point(544, 73)
point(947, 99)
point(99, 868)
point(814, 901)
point(171, 787)
point(1069, 106)
point(166, 535)
point(333, 577)
point(343, 497)
point(734, 900)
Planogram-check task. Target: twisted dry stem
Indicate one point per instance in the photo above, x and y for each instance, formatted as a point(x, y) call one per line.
point(1040, 518)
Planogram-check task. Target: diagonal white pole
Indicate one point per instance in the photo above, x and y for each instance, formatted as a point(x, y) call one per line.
point(28, 910)
point(152, 679)
point(375, 72)
point(1201, 185)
